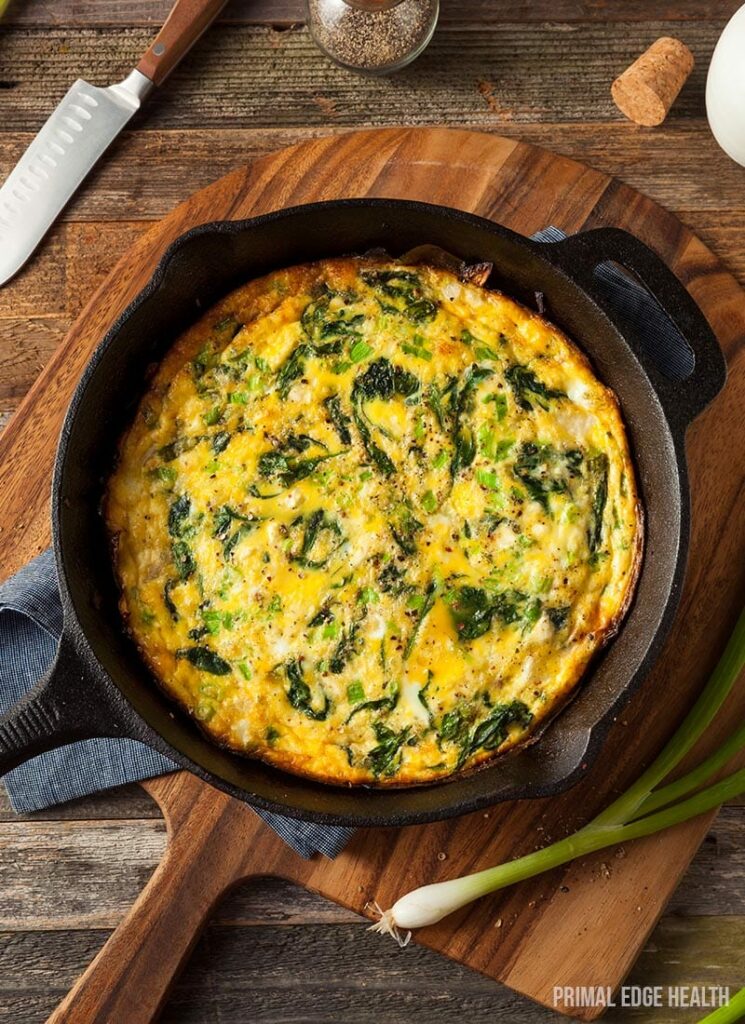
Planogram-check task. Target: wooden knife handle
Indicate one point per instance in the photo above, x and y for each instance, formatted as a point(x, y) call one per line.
point(185, 24)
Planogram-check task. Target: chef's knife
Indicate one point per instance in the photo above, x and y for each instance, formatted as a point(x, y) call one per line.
point(82, 127)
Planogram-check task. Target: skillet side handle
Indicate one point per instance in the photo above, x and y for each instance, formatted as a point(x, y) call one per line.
point(683, 400)
point(65, 705)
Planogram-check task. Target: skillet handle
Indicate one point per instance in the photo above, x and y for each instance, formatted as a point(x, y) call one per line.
point(65, 705)
point(683, 400)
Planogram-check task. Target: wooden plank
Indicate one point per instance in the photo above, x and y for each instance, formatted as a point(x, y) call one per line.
point(105, 13)
point(70, 264)
point(341, 972)
point(25, 347)
point(242, 75)
point(665, 164)
point(42, 863)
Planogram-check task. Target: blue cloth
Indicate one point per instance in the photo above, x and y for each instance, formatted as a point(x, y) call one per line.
point(31, 623)
point(30, 627)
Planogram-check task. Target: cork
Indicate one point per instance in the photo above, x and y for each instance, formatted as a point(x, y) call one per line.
point(646, 90)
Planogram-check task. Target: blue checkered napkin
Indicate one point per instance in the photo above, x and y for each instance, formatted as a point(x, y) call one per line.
point(30, 627)
point(31, 623)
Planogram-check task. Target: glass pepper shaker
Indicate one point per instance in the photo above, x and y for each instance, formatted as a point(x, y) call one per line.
point(372, 37)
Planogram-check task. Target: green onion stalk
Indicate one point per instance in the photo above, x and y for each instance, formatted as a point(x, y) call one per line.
point(646, 807)
point(733, 1011)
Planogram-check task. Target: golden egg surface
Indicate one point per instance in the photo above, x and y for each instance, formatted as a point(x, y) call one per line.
point(372, 522)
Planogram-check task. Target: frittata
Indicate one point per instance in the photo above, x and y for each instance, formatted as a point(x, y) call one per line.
point(372, 521)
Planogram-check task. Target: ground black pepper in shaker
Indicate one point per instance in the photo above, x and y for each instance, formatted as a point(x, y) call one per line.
point(373, 37)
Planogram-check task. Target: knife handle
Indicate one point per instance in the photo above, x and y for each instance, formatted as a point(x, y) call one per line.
point(184, 25)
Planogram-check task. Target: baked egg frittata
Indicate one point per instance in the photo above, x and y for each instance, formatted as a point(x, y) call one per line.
point(371, 522)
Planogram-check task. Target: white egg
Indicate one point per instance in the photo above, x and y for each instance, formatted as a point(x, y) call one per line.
point(725, 89)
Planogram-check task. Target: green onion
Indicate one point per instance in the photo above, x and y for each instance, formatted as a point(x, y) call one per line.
point(360, 350)
point(642, 810)
point(729, 1014)
point(355, 692)
point(429, 502)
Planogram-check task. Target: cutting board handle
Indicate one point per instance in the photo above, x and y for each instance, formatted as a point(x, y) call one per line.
point(209, 850)
point(184, 25)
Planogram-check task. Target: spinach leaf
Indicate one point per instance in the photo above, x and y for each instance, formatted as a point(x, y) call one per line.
point(220, 441)
point(283, 465)
point(171, 451)
point(558, 616)
point(178, 515)
point(168, 600)
point(385, 758)
point(379, 458)
point(319, 325)
point(317, 524)
point(404, 294)
point(404, 527)
point(323, 615)
point(346, 649)
point(381, 380)
point(493, 731)
point(339, 419)
point(539, 470)
point(453, 726)
point(320, 322)
point(184, 559)
point(471, 611)
point(528, 389)
point(293, 368)
point(205, 660)
point(387, 703)
point(392, 580)
point(462, 402)
point(224, 517)
point(428, 600)
point(434, 401)
point(299, 693)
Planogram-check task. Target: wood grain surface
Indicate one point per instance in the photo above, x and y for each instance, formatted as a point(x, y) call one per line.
point(679, 165)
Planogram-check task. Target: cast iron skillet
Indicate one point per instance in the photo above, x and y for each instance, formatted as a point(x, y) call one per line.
point(98, 685)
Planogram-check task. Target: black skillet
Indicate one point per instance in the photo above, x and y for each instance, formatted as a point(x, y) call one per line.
point(98, 685)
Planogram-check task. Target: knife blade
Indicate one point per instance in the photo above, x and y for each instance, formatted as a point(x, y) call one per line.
point(77, 134)
point(80, 130)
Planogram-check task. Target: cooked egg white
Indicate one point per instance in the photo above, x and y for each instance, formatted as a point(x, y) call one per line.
point(371, 522)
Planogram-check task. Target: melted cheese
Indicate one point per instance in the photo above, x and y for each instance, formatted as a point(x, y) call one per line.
point(371, 523)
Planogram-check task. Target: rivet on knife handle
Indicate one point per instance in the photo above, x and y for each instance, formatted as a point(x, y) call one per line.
point(185, 24)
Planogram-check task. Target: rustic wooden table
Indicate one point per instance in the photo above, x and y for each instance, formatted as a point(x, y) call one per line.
point(536, 69)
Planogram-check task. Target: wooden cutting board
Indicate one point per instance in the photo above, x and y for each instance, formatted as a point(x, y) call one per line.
point(582, 925)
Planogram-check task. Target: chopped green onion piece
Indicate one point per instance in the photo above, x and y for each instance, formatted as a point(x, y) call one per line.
point(355, 692)
point(359, 351)
point(429, 502)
